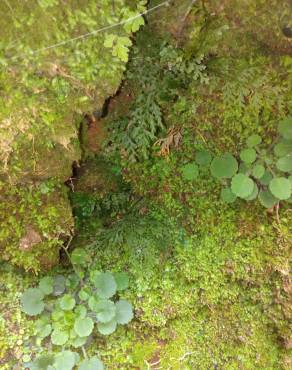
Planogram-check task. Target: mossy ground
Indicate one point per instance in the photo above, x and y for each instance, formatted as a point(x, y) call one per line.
point(209, 281)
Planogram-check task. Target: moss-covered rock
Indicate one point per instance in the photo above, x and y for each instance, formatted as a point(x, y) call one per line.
point(44, 91)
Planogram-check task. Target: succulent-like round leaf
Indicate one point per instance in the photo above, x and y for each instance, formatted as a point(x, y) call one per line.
point(105, 310)
point(248, 155)
point(283, 148)
point(43, 328)
point(285, 128)
point(83, 326)
point(122, 280)
point(84, 294)
point(253, 140)
point(203, 158)
point(46, 285)
point(265, 180)
point(225, 166)
point(190, 171)
point(267, 199)
point(107, 328)
point(42, 362)
point(91, 364)
point(73, 281)
point(280, 187)
point(78, 342)
point(59, 337)
point(105, 284)
point(59, 285)
point(32, 301)
point(124, 312)
point(92, 303)
point(243, 168)
point(64, 360)
point(284, 164)
point(227, 196)
point(81, 311)
point(79, 256)
point(67, 302)
point(254, 194)
point(258, 171)
point(242, 185)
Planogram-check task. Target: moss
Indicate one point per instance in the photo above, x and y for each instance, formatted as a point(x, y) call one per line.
point(40, 216)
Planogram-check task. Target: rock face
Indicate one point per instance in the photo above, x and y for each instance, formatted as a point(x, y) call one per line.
point(44, 93)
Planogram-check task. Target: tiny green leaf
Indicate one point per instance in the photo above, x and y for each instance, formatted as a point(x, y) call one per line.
point(83, 327)
point(124, 312)
point(190, 171)
point(64, 360)
point(267, 199)
point(46, 285)
point(122, 280)
point(280, 187)
point(225, 166)
point(248, 155)
point(105, 285)
point(284, 164)
point(107, 328)
point(258, 171)
point(91, 364)
point(285, 128)
point(253, 140)
point(67, 302)
point(203, 158)
point(32, 301)
point(227, 196)
point(59, 337)
point(242, 185)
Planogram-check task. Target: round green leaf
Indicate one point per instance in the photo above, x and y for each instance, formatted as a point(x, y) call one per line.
point(248, 155)
point(124, 312)
point(203, 158)
point(280, 187)
point(83, 327)
point(32, 301)
point(59, 337)
point(72, 281)
point(105, 285)
point(84, 294)
point(92, 303)
point(254, 194)
point(227, 196)
point(46, 285)
point(285, 128)
point(267, 199)
point(253, 140)
point(59, 285)
point(258, 171)
point(64, 360)
point(290, 179)
point(285, 163)
point(122, 280)
point(190, 171)
point(243, 168)
point(283, 148)
point(265, 180)
point(81, 311)
point(42, 362)
point(106, 310)
point(107, 328)
point(43, 328)
point(91, 364)
point(224, 167)
point(242, 185)
point(79, 256)
point(67, 302)
point(78, 342)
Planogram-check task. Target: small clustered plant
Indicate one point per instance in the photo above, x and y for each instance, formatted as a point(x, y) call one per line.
point(71, 308)
point(260, 173)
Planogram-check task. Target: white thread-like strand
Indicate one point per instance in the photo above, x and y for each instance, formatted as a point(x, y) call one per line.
point(86, 35)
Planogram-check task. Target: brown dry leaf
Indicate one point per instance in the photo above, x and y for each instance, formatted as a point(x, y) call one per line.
point(172, 139)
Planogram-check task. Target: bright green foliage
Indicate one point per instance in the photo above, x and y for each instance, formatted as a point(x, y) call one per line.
point(253, 141)
point(248, 155)
point(70, 322)
point(92, 364)
point(258, 171)
point(280, 187)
